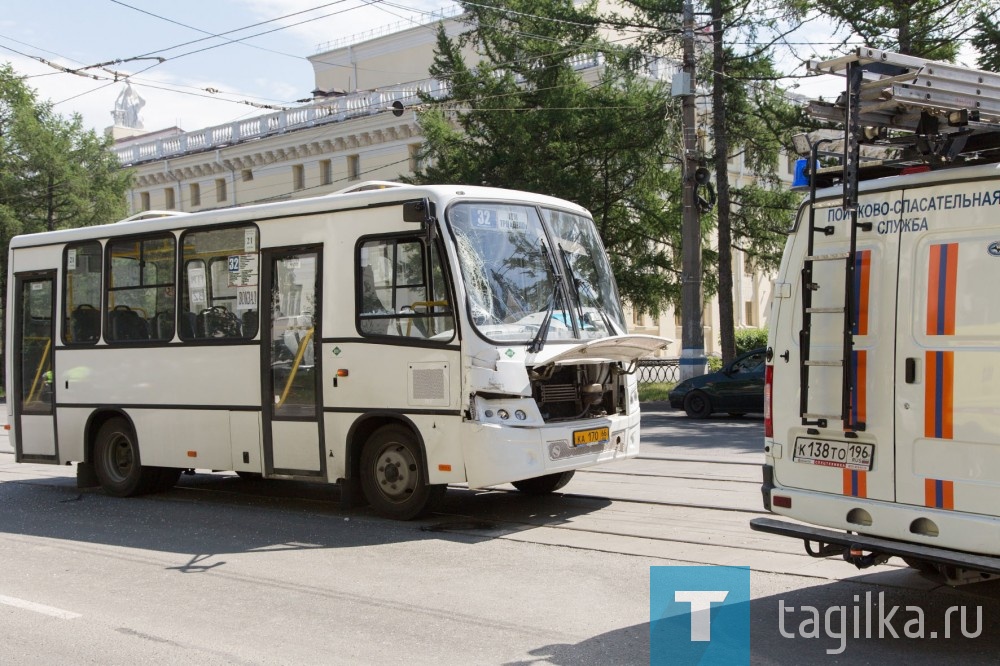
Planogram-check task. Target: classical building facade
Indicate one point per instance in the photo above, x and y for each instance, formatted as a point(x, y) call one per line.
point(360, 125)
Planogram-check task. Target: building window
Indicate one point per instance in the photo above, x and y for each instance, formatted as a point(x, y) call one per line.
point(195, 194)
point(247, 175)
point(144, 200)
point(792, 159)
point(220, 189)
point(353, 167)
point(168, 199)
point(748, 311)
point(325, 172)
point(298, 177)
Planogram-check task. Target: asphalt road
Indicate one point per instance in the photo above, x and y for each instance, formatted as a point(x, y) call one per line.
point(224, 571)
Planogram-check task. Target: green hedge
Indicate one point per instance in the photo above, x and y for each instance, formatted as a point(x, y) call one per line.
point(748, 339)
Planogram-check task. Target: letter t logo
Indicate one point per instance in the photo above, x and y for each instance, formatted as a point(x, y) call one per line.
point(701, 605)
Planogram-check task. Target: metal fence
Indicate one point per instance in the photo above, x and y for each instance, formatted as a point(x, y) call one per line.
point(659, 370)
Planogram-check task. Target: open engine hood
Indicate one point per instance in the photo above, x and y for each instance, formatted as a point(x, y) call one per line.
point(623, 348)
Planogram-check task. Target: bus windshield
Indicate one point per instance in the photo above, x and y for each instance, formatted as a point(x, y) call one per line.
point(521, 264)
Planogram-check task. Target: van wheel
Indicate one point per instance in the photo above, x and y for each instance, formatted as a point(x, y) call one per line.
point(697, 405)
point(392, 474)
point(117, 462)
point(543, 485)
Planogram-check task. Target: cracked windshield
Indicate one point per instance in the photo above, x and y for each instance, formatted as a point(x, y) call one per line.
point(524, 286)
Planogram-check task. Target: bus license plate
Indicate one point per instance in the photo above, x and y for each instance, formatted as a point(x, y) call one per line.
point(848, 455)
point(593, 436)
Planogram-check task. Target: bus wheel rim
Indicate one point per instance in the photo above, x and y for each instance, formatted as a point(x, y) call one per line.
point(396, 472)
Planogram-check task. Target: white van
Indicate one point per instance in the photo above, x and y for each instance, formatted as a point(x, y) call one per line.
point(883, 379)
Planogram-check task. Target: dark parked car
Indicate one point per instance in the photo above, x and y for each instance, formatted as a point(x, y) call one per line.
point(738, 388)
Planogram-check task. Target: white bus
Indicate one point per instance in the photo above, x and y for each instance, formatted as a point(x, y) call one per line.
point(396, 338)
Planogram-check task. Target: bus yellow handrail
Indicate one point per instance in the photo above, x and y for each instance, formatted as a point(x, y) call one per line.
point(295, 366)
point(38, 373)
point(424, 304)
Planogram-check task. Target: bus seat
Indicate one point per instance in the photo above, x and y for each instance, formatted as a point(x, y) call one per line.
point(250, 321)
point(218, 322)
point(162, 325)
point(124, 323)
point(187, 325)
point(85, 323)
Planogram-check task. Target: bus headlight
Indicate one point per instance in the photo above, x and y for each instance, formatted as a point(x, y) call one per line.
point(513, 411)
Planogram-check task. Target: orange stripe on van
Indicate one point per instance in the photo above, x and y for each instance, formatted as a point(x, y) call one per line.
point(933, 289)
point(861, 387)
point(862, 268)
point(942, 286)
point(939, 395)
point(947, 397)
point(855, 483)
point(951, 288)
point(939, 494)
point(930, 404)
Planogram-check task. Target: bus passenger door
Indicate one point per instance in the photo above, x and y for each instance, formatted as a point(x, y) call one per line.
point(34, 371)
point(290, 342)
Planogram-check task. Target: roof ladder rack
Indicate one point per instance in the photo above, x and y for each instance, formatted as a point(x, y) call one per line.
point(916, 112)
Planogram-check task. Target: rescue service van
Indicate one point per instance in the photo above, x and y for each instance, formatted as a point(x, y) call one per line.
point(882, 427)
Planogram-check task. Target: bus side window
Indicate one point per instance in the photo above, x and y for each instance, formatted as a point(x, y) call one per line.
point(82, 293)
point(219, 289)
point(140, 300)
point(401, 290)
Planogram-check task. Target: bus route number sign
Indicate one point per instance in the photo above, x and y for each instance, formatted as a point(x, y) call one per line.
point(499, 219)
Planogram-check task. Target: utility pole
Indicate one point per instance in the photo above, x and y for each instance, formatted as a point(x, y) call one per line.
point(692, 334)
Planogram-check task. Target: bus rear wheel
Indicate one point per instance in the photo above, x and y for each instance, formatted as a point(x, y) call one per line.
point(543, 485)
point(117, 463)
point(392, 474)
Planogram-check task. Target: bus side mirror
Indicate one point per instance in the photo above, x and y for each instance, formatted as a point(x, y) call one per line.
point(421, 210)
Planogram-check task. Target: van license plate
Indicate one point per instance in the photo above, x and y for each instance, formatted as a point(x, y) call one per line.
point(593, 436)
point(848, 455)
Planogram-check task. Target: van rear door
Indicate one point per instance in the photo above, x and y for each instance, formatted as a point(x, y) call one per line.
point(948, 360)
point(827, 459)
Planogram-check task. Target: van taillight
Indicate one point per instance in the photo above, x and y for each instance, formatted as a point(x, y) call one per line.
point(768, 411)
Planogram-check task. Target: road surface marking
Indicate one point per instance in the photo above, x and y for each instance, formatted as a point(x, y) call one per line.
point(38, 608)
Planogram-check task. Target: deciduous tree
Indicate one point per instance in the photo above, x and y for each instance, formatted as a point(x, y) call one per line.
point(53, 173)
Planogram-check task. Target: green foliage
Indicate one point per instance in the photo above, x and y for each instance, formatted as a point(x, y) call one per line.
point(933, 29)
point(654, 391)
point(53, 174)
point(748, 339)
point(525, 119)
point(987, 41)
point(714, 363)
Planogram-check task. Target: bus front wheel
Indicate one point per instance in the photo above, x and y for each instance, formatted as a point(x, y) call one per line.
point(117, 463)
point(392, 474)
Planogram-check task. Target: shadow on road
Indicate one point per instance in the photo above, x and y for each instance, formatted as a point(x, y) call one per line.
point(221, 513)
point(806, 642)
